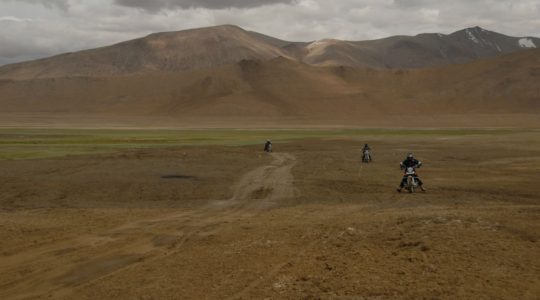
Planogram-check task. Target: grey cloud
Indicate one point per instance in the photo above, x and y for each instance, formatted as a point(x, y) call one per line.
point(14, 51)
point(62, 4)
point(185, 4)
point(413, 3)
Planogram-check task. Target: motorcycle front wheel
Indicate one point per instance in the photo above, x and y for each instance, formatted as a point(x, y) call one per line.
point(410, 184)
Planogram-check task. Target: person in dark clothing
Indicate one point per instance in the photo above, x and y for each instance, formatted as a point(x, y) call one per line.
point(268, 146)
point(410, 162)
point(366, 147)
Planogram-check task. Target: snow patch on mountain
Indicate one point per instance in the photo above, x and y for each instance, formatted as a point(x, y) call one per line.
point(526, 43)
point(321, 44)
point(472, 37)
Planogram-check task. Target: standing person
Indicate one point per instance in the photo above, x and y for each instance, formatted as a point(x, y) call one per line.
point(410, 162)
point(268, 146)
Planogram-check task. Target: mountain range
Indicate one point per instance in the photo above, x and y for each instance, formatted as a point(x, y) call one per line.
point(221, 45)
point(226, 76)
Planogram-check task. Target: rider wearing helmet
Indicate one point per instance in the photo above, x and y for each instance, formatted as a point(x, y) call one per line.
point(368, 150)
point(268, 146)
point(410, 162)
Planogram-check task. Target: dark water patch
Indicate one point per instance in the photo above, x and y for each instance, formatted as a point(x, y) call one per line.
point(179, 177)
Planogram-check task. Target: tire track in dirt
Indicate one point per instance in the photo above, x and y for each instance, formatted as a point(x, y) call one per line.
point(59, 268)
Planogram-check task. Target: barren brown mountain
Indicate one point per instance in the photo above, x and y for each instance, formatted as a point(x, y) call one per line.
point(285, 92)
point(423, 50)
point(169, 51)
point(225, 76)
point(221, 45)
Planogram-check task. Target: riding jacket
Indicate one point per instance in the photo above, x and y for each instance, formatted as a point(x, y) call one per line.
point(414, 163)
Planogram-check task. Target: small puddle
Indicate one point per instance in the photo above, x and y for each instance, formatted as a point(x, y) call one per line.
point(179, 177)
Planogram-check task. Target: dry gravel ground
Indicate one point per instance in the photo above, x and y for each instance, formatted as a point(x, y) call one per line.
point(306, 222)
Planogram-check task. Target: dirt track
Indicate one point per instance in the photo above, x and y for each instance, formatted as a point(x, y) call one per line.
point(305, 222)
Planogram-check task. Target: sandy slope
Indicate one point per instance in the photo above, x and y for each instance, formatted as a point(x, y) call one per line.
point(494, 92)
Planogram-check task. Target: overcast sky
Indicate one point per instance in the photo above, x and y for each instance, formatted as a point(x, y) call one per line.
point(39, 28)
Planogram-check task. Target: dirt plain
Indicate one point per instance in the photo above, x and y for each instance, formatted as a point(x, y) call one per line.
point(306, 222)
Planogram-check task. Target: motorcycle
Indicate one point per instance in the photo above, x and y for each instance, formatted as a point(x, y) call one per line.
point(366, 156)
point(412, 181)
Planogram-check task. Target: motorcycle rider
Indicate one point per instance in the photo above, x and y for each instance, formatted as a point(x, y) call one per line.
point(368, 149)
point(410, 162)
point(268, 146)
